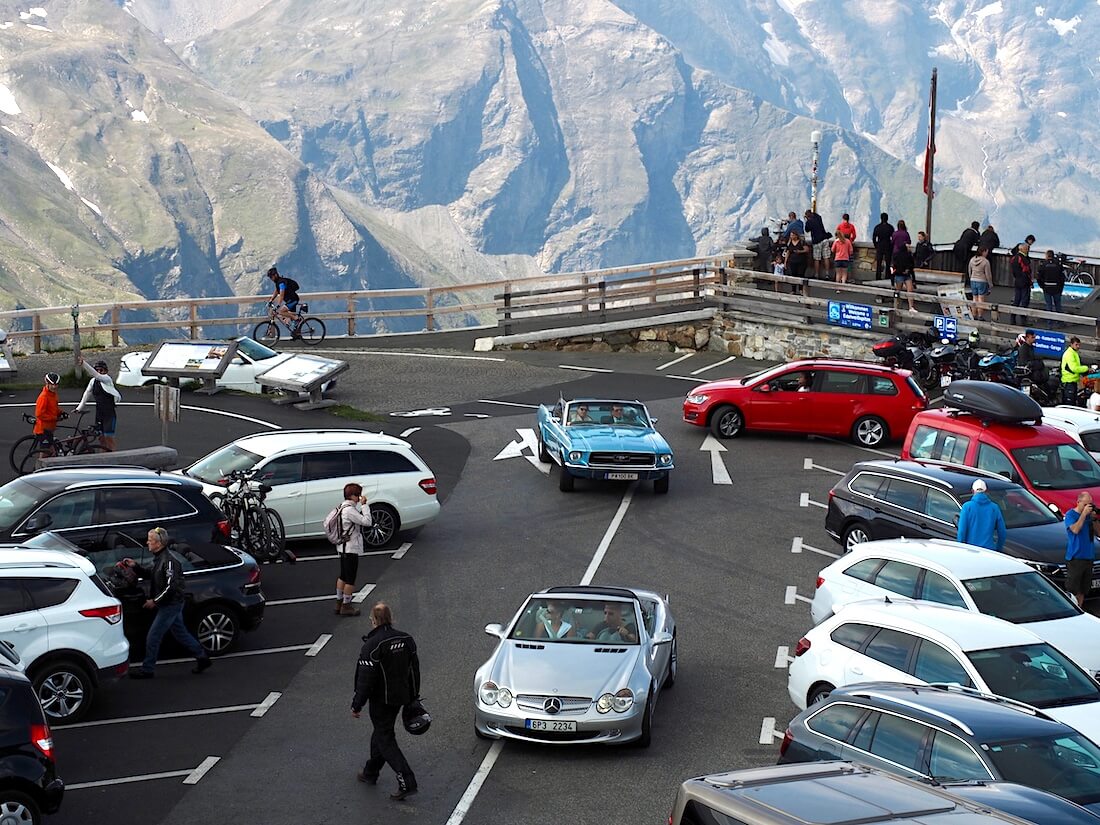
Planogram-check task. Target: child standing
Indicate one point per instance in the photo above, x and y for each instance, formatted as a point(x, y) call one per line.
point(842, 256)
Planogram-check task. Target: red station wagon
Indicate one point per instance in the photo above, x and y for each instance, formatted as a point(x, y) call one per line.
point(1042, 458)
point(866, 402)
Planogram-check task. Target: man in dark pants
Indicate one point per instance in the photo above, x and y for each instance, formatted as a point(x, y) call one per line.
point(881, 238)
point(388, 676)
point(964, 248)
point(1080, 548)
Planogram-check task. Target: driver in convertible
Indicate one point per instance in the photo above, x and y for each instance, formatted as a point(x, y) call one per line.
point(613, 628)
point(579, 415)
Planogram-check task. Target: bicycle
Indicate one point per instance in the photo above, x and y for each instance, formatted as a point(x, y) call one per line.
point(1075, 271)
point(25, 452)
point(257, 527)
point(310, 330)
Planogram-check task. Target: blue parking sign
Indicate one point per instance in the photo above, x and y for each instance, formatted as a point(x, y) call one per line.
point(946, 326)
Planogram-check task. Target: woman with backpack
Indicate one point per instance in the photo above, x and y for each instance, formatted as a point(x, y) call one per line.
point(343, 528)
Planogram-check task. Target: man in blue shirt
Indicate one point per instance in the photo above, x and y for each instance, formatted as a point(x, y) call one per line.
point(1080, 548)
point(981, 522)
point(793, 225)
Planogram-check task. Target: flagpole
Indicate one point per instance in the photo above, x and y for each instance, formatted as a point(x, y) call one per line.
point(930, 157)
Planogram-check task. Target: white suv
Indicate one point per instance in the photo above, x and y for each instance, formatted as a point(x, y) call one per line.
point(1083, 426)
point(307, 471)
point(920, 642)
point(62, 620)
point(960, 575)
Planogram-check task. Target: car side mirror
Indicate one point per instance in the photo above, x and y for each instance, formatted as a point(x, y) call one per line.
point(1054, 509)
point(764, 388)
point(652, 420)
point(494, 629)
point(662, 637)
point(38, 523)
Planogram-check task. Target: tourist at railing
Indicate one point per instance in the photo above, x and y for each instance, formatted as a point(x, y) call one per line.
point(964, 246)
point(980, 278)
point(903, 271)
point(1051, 278)
point(842, 254)
point(1020, 265)
point(819, 240)
point(764, 249)
point(900, 238)
point(846, 228)
point(923, 252)
point(798, 256)
point(880, 239)
point(794, 225)
point(989, 239)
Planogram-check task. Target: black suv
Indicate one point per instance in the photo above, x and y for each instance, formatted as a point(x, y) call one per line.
point(922, 499)
point(89, 505)
point(947, 733)
point(29, 786)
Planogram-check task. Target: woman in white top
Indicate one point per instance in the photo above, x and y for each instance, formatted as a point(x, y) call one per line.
point(354, 515)
point(553, 626)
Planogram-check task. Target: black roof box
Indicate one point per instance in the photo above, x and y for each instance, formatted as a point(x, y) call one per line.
point(992, 401)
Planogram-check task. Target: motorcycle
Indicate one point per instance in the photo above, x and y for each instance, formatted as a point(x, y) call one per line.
point(1000, 367)
point(911, 352)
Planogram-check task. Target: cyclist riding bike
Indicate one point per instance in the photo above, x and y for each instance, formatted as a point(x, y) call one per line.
point(47, 412)
point(284, 300)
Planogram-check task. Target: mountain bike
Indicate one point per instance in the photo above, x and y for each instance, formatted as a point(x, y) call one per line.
point(306, 328)
point(257, 527)
point(1075, 271)
point(27, 450)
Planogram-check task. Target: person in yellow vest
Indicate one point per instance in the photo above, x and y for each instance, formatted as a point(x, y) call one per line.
point(1072, 370)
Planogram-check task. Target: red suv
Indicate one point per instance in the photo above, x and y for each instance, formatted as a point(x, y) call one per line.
point(867, 402)
point(1039, 457)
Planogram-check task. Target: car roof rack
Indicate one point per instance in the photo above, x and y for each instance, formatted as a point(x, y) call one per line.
point(80, 465)
point(877, 693)
point(618, 592)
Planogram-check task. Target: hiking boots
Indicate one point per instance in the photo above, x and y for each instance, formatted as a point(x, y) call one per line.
point(349, 610)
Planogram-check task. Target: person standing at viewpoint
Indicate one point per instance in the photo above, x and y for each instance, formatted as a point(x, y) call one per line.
point(1022, 280)
point(819, 240)
point(842, 255)
point(47, 412)
point(101, 391)
point(1080, 548)
point(387, 676)
point(1072, 370)
point(964, 246)
point(353, 518)
point(981, 522)
point(880, 238)
point(167, 597)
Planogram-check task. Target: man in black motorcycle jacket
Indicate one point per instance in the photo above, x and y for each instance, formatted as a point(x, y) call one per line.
point(387, 676)
point(1027, 359)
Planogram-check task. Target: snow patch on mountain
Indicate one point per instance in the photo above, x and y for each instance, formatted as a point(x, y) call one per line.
point(993, 8)
point(1064, 27)
point(7, 102)
point(92, 206)
point(139, 116)
point(776, 49)
point(66, 181)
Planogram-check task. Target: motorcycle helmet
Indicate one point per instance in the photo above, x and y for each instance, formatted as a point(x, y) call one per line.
point(974, 336)
point(416, 718)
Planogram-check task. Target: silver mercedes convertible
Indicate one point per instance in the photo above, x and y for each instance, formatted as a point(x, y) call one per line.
point(578, 664)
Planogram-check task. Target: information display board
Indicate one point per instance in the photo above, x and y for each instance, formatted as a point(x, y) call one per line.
point(303, 374)
point(1050, 344)
point(190, 359)
point(7, 363)
point(855, 316)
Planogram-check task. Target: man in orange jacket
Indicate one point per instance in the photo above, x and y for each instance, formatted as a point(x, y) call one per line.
point(46, 410)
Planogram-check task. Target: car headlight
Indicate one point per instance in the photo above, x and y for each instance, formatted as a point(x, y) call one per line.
point(698, 398)
point(504, 697)
point(604, 703)
point(488, 693)
point(664, 459)
point(575, 455)
point(622, 701)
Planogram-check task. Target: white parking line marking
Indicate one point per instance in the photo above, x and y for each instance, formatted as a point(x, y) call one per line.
point(791, 596)
point(819, 551)
point(463, 806)
point(153, 717)
point(782, 656)
point(767, 731)
point(804, 500)
point(716, 364)
point(409, 432)
point(400, 552)
point(266, 704)
point(361, 595)
point(582, 369)
point(668, 364)
point(124, 780)
point(302, 600)
point(857, 446)
point(808, 464)
point(508, 404)
point(796, 544)
point(407, 354)
point(320, 558)
point(474, 415)
point(239, 654)
point(202, 770)
point(608, 536)
point(319, 645)
point(684, 378)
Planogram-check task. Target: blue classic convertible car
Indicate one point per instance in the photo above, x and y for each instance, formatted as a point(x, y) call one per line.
point(610, 440)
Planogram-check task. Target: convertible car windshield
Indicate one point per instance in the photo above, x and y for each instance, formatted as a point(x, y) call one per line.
point(580, 413)
point(585, 621)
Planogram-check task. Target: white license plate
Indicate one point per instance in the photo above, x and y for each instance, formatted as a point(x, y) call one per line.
point(622, 476)
point(1095, 584)
point(945, 380)
point(551, 725)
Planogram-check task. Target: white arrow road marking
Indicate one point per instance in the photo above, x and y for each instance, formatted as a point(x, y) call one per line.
point(474, 415)
point(409, 432)
point(527, 447)
point(419, 413)
point(718, 471)
point(808, 464)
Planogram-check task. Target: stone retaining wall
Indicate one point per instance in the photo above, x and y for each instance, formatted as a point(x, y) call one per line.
point(665, 338)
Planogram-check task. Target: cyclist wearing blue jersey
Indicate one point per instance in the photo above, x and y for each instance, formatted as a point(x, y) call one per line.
point(285, 297)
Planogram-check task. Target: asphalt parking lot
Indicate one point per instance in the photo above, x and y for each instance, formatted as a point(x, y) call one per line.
point(739, 561)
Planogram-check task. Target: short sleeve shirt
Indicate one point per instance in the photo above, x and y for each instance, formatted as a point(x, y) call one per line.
point(1078, 545)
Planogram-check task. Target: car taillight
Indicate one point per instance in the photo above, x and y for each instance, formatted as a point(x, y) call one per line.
point(832, 494)
point(428, 486)
point(112, 613)
point(254, 576)
point(820, 581)
point(41, 739)
point(788, 737)
point(225, 528)
point(802, 646)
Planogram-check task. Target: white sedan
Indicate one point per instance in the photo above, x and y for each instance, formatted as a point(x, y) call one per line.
point(251, 359)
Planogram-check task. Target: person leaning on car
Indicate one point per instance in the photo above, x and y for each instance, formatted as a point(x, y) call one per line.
point(1080, 548)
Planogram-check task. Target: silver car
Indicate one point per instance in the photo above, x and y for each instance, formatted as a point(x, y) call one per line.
point(577, 665)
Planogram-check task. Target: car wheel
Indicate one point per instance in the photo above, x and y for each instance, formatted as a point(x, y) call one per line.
point(727, 422)
point(869, 431)
point(819, 693)
point(660, 485)
point(544, 454)
point(65, 691)
point(855, 533)
point(17, 808)
point(647, 723)
point(673, 663)
point(217, 629)
point(565, 478)
point(384, 527)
